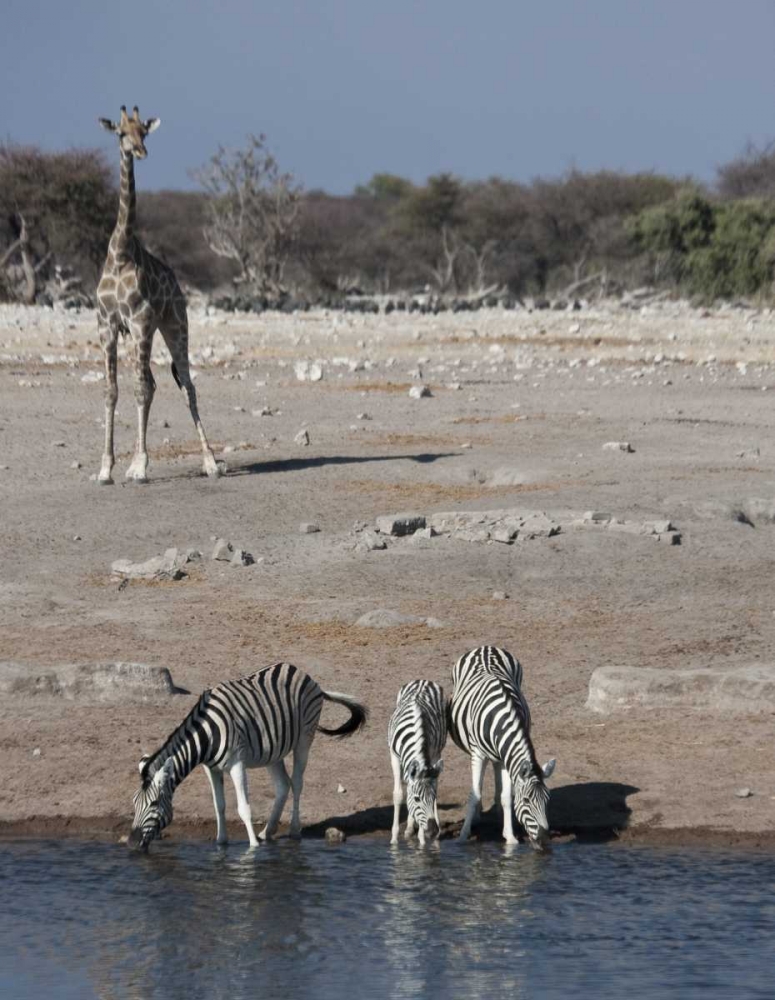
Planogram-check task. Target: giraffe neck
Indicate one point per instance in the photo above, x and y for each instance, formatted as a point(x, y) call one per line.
point(123, 234)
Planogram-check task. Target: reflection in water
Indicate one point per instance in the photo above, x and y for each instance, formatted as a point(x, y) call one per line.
point(313, 921)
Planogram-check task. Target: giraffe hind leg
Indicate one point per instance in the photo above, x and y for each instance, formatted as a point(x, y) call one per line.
point(108, 338)
point(175, 334)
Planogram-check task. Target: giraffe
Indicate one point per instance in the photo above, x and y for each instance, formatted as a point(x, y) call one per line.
point(137, 295)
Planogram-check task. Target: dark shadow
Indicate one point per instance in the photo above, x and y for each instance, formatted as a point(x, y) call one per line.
point(291, 465)
point(377, 819)
point(299, 464)
point(592, 810)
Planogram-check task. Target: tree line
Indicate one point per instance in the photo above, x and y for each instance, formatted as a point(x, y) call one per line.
point(253, 231)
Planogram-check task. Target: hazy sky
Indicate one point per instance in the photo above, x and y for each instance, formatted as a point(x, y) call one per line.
point(347, 88)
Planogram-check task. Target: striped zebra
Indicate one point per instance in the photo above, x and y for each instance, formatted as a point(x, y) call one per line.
point(254, 721)
point(490, 721)
point(417, 733)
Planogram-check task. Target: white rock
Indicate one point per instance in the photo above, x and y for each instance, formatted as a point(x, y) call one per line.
point(419, 391)
point(744, 793)
point(302, 438)
point(223, 550)
point(400, 524)
point(308, 528)
point(618, 446)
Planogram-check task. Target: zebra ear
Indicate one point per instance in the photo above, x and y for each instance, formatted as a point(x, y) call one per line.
point(548, 768)
point(438, 767)
point(525, 769)
point(412, 771)
point(143, 761)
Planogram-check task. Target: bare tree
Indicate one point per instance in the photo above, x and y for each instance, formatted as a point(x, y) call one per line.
point(252, 213)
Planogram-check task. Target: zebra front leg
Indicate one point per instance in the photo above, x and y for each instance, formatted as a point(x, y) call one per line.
point(478, 765)
point(398, 795)
point(219, 801)
point(300, 755)
point(411, 826)
point(282, 786)
point(507, 804)
point(239, 776)
point(497, 774)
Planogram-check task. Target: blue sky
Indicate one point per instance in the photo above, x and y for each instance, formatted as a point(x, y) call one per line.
point(347, 88)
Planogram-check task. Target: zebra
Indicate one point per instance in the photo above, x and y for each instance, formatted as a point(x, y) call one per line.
point(489, 719)
point(417, 733)
point(253, 721)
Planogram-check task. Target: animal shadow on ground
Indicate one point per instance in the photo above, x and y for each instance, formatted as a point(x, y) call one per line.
point(376, 819)
point(592, 811)
point(300, 464)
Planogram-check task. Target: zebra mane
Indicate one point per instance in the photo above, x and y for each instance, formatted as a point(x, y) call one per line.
point(151, 763)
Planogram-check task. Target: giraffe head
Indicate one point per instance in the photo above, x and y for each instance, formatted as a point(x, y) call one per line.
point(132, 131)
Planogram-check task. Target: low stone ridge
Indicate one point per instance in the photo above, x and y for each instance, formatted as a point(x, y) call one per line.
point(88, 681)
point(496, 525)
point(400, 524)
point(508, 525)
point(165, 567)
point(712, 689)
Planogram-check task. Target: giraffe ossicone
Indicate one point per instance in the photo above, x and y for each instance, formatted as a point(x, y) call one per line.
point(137, 295)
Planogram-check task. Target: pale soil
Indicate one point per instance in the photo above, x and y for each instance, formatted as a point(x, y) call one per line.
point(576, 601)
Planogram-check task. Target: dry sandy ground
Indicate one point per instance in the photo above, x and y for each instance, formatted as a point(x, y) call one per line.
point(539, 395)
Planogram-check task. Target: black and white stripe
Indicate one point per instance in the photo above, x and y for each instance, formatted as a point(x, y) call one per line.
point(254, 721)
point(489, 719)
point(417, 733)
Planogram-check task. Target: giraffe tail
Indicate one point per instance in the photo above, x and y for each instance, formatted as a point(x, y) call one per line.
point(175, 375)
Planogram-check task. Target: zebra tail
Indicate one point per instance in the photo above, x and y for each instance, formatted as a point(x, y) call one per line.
point(358, 715)
point(175, 375)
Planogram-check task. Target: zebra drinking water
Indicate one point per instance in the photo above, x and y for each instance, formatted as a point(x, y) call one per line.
point(489, 720)
point(254, 721)
point(417, 733)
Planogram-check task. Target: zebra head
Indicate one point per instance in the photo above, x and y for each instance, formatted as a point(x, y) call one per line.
point(153, 805)
point(531, 797)
point(421, 791)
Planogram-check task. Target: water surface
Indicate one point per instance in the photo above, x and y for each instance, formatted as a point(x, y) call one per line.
point(82, 920)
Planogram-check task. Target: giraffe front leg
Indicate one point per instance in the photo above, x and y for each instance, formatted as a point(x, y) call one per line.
point(174, 330)
point(108, 339)
point(144, 390)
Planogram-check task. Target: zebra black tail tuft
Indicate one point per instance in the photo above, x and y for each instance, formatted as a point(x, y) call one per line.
point(175, 375)
point(358, 715)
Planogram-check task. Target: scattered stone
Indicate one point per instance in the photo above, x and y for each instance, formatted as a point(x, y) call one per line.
point(165, 567)
point(93, 377)
point(713, 689)
point(597, 517)
point(750, 454)
point(744, 793)
point(341, 790)
point(241, 558)
point(36, 752)
point(58, 444)
point(265, 411)
point(302, 438)
point(75, 465)
point(384, 618)
point(308, 371)
point(400, 524)
point(223, 551)
point(419, 391)
point(370, 542)
point(334, 835)
point(500, 595)
point(619, 446)
point(92, 681)
point(364, 416)
point(425, 533)
point(308, 528)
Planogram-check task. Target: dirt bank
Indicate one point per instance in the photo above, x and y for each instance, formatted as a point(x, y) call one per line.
point(522, 405)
